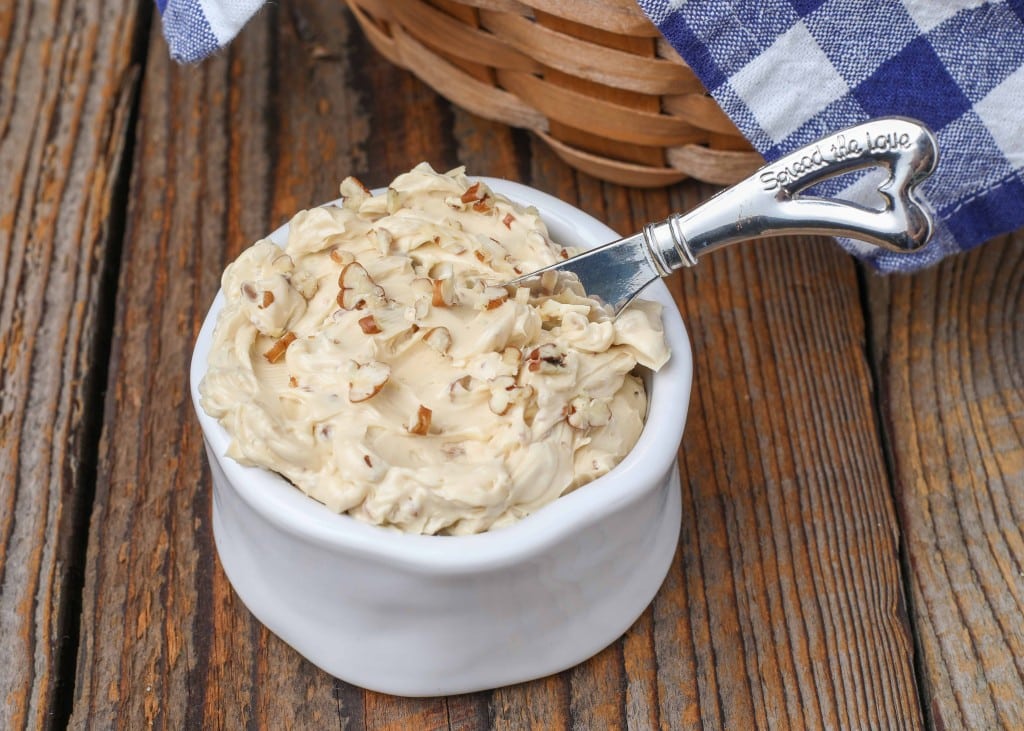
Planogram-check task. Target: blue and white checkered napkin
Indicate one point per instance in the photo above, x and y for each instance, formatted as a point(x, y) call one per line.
point(790, 71)
point(196, 28)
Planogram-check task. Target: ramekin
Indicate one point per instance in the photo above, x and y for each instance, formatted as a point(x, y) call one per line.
point(436, 615)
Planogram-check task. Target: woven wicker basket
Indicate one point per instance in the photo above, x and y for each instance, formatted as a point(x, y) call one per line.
point(593, 78)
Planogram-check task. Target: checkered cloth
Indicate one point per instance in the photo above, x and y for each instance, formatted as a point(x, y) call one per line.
point(196, 28)
point(790, 71)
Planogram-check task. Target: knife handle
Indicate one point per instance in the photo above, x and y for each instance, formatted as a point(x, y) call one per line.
point(771, 202)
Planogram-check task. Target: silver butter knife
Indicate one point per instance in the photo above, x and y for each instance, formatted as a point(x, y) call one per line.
point(769, 203)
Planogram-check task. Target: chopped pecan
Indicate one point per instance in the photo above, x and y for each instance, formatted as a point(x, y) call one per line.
point(357, 288)
point(495, 297)
point(278, 349)
point(369, 325)
point(583, 412)
point(366, 380)
point(472, 193)
point(438, 338)
point(546, 358)
point(422, 423)
point(444, 293)
point(460, 386)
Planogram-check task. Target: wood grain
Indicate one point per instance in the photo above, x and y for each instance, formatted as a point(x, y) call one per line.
point(227, 151)
point(803, 488)
point(783, 606)
point(67, 79)
point(949, 346)
point(789, 550)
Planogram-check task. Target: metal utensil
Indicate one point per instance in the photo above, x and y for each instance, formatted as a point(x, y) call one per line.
point(768, 203)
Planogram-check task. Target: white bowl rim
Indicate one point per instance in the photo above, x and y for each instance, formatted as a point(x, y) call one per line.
point(291, 510)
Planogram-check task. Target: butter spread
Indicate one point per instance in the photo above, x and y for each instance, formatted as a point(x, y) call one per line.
point(375, 364)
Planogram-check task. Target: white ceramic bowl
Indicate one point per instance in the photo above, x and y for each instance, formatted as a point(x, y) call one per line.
point(436, 615)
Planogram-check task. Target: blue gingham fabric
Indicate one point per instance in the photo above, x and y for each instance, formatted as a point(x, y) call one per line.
point(790, 71)
point(196, 28)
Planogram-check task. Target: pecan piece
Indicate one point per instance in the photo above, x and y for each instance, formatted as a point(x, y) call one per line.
point(369, 325)
point(422, 423)
point(495, 297)
point(505, 392)
point(472, 193)
point(357, 288)
point(366, 380)
point(460, 386)
point(583, 413)
point(546, 358)
point(438, 338)
point(277, 350)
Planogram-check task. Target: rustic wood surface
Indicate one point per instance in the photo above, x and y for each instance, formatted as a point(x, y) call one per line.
point(853, 465)
point(67, 80)
point(950, 352)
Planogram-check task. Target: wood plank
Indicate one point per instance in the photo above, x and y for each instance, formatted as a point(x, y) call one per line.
point(67, 80)
point(228, 149)
point(949, 350)
point(792, 595)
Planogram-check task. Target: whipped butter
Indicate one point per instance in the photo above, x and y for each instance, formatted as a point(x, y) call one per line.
point(375, 364)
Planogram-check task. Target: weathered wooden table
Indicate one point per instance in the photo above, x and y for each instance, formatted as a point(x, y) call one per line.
point(852, 550)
